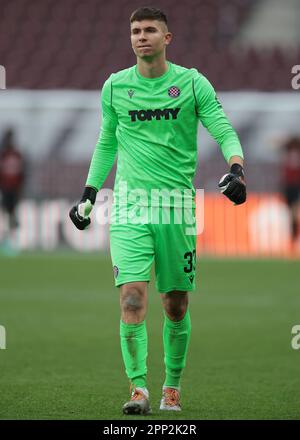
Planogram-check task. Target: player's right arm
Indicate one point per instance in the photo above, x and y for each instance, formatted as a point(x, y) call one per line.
point(102, 160)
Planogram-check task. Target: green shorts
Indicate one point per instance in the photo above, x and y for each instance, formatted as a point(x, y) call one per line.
point(169, 240)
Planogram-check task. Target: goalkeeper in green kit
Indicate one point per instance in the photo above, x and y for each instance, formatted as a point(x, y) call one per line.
point(150, 114)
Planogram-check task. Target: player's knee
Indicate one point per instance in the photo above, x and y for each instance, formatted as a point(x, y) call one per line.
point(176, 306)
point(176, 313)
point(132, 300)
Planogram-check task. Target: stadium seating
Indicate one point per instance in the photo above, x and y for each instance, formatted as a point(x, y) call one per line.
point(73, 44)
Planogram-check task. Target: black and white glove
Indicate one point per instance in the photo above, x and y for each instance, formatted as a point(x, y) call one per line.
point(233, 186)
point(80, 213)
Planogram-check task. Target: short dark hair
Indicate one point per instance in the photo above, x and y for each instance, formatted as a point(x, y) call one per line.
point(147, 13)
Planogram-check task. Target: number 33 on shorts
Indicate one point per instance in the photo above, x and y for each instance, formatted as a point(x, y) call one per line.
point(190, 258)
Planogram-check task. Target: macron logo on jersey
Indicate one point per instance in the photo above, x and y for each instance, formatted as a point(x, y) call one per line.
point(158, 114)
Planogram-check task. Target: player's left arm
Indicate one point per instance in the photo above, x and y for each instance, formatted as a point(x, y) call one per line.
point(210, 112)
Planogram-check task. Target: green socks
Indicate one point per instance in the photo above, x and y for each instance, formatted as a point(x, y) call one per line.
point(134, 346)
point(176, 337)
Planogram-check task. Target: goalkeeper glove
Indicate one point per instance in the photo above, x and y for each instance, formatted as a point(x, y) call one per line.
point(233, 186)
point(79, 214)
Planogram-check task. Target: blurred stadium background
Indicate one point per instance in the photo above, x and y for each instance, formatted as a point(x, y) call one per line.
point(57, 56)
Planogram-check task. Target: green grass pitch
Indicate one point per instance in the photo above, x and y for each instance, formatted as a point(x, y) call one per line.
point(63, 358)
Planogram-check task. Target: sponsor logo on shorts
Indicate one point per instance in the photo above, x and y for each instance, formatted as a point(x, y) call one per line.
point(116, 271)
point(191, 278)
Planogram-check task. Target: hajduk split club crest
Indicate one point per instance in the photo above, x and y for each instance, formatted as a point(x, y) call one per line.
point(174, 92)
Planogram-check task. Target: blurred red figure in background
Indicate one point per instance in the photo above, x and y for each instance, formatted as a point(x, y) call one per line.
point(291, 182)
point(12, 173)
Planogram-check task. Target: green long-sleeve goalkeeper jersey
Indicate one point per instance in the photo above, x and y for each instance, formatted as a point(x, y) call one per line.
point(151, 124)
